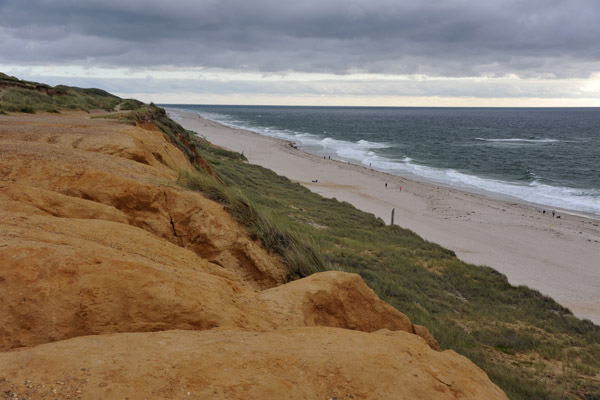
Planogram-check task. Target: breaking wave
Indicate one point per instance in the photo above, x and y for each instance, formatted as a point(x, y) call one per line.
point(369, 153)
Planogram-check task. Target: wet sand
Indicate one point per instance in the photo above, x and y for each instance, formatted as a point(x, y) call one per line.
point(560, 257)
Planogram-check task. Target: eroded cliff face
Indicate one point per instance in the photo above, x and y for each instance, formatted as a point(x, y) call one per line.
point(115, 282)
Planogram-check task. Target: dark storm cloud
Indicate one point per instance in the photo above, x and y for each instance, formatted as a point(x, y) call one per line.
point(447, 38)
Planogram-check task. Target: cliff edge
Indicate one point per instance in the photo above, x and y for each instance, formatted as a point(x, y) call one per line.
point(116, 282)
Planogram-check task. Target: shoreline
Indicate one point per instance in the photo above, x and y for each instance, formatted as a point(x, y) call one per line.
point(563, 197)
point(553, 255)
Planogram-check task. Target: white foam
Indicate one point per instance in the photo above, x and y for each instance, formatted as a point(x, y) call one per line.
point(582, 200)
point(174, 115)
point(518, 140)
point(360, 151)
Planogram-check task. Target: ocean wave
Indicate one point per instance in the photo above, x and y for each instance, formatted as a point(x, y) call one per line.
point(371, 145)
point(361, 150)
point(518, 140)
point(174, 115)
point(231, 122)
point(365, 152)
point(581, 200)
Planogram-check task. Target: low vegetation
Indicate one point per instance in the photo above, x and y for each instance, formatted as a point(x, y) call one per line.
point(31, 97)
point(529, 345)
point(298, 250)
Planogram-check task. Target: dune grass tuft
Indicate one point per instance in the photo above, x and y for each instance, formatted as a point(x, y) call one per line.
point(31, 97)
point(276, 234)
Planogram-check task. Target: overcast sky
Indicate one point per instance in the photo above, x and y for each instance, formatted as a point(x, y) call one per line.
point(359, 52)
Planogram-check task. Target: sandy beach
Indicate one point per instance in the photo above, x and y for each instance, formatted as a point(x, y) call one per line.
point(560, 257)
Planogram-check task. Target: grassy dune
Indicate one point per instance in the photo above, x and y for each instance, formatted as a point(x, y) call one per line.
point(529, 345)
point(31, 97)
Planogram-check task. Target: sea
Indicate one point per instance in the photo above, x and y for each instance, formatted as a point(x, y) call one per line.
point(546, 156)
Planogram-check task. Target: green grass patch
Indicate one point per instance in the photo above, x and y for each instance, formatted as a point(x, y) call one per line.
point(31, 97)
point(131, 104)
point(31, 101)
point(277, 235)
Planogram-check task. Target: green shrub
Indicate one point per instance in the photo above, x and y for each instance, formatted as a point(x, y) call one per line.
point(27, 109)
point(131, 104)
point(24, 96)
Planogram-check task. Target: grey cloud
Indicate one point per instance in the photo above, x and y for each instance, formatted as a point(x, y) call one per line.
point(438, 38)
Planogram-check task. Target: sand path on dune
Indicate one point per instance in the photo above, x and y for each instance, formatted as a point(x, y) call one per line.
point(559, 257)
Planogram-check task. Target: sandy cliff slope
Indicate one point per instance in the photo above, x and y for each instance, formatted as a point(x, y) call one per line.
point(117, 283)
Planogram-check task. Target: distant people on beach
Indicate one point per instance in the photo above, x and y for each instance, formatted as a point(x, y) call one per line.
point(554, 215)
point(399, 187)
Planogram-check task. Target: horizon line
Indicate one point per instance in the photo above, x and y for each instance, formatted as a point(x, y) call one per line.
point(358, 106)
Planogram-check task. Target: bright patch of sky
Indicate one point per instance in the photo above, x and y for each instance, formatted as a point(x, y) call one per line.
point(321, 52)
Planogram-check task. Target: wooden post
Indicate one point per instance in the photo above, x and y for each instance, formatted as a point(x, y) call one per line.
point(393, 209)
